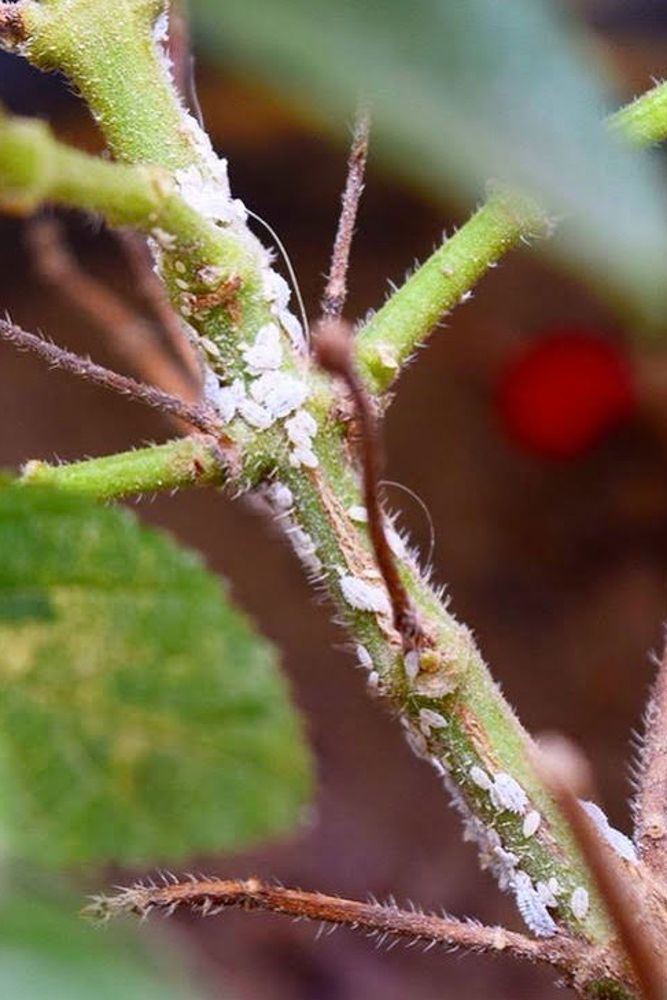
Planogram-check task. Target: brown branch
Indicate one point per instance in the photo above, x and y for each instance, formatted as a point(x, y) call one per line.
point(209, 896)
point(127, 333)
point(195, 415)
point(154, 295)
point(333, 353)
point(651, 799)
point(13, 29)
point(624, 905)
point(335, 291)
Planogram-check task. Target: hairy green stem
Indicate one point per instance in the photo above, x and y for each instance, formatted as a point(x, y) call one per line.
point(386, 341)
point(129, 92)
point(644, 121)
point(189, 461)
point(36, 168)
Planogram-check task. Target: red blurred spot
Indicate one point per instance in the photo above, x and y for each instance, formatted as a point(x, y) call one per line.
point(564, 392)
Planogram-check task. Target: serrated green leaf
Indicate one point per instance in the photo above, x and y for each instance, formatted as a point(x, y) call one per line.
point(47, 950)
point(141, 717)
point(462, 93)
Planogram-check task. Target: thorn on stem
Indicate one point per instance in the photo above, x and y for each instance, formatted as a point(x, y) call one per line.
point(333, 353)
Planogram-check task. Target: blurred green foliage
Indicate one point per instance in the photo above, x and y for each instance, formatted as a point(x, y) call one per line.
point(505, 90)
point(46, 950)
point(141, 717)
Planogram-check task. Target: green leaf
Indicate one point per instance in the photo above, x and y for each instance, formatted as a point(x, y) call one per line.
point(141, 717)
point(507, 90)
point(47, 950)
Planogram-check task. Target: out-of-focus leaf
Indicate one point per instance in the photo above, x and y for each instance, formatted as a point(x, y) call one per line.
point(464, 92)
point(47, 950)
point(141, 717)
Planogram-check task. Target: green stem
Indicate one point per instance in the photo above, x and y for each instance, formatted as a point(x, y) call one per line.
point(644, 121)
point(385, 343)
point(190, 461)
point(129, 91)
point(213, 273)
point(35, 167)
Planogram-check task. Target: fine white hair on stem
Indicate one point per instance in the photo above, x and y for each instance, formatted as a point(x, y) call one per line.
point(415, 496)
point(290, 270)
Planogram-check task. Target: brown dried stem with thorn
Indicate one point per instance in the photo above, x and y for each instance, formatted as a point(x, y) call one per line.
point(208, 896)
point(335, 292)
point(332, 345)
point(127, 333)
point(193, 414)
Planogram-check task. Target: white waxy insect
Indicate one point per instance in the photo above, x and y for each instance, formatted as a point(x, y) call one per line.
point(579, 902)
point(280, 496)
point(507, 793)
point(411, 664)
point(210, 347)
point(532, 908)
point(255, 414)
point(374, 680)
point(364, 596)
point(279, 393)
point(479, 776)
point(617, 840)
point(502, 862)
point(428, 720)
point(303, 456)
point(305, 548)
point(229, 399)
point(293, 328)
point(276, 290)
point(545, 892)
point(364, 658)
point(302, 541)
point(358, 513)
point(266, 353)
point(440, 768)
point(209, 195)
point(164, 239)
point(387, 356)
point(416, 742)
point(301, 429)
point(531, 823)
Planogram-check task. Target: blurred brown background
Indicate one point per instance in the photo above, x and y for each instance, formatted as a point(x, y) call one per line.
point(558, 566)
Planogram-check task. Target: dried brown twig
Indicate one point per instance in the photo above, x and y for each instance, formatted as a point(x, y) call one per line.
point(153, 293)
point(127, 333)
point(197, 415)
point(335, 292)
point(209, 896)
